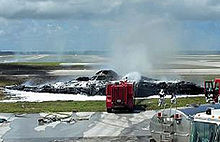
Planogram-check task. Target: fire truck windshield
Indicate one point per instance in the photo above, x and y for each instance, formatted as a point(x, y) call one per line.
point(204, 132)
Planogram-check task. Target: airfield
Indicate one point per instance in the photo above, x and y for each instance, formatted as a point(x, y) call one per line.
point(99, 126)
point(75, 65)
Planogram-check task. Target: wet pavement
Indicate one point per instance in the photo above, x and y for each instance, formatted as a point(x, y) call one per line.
point(99, 126)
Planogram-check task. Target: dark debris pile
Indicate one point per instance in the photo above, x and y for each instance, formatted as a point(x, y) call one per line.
point(148, 88)
point(96, 85)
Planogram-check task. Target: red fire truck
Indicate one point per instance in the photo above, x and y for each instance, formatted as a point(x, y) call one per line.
point(211, 90)
point(120, 95)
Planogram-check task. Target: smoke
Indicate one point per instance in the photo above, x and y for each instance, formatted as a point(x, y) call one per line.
point(145, 44)
point(133, 76)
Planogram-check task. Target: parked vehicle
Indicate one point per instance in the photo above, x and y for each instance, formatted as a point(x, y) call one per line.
point(175, 125)
point(120, 95)
point(206, 127)
point(211, 90)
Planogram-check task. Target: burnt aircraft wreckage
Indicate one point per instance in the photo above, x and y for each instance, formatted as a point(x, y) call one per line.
point(96, 85)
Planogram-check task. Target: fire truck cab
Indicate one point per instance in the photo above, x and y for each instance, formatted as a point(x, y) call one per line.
point(206, 126)
point(120, 95)
point(211, 90)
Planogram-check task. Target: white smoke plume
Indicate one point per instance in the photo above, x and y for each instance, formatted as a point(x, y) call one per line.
point(133, 76)
point(145, 44)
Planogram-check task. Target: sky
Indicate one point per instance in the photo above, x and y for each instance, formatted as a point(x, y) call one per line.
point(69, 25)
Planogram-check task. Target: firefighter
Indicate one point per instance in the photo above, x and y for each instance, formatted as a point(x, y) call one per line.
point(161, 100)
point(209, 95)
point(206, 95)
point(216, 94)
point(173, 98)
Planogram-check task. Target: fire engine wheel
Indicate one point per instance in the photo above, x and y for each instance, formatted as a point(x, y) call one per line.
point(109, 110)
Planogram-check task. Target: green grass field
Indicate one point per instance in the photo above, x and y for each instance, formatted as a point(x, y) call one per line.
point(40, 66)
point(59, 106)
point(36, 63)
point(152, 104)
point(86, 106)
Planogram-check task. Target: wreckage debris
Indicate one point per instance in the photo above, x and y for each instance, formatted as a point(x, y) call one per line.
point(148, 88)
point(96, 85)
point(82, 85)
point(20, 115)
point(83, 79)
point(53, 118)
point(107, 75)
point(3, 120)
point(68, 118)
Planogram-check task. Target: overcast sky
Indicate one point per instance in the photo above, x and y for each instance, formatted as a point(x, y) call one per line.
point(61, 25)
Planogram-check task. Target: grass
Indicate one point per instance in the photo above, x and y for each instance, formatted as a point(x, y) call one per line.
point(85, 106)
point(36, 63)
point(152, 104)
point(7, 82)
point(1, 95)
point(41, 66)
point(59, 106)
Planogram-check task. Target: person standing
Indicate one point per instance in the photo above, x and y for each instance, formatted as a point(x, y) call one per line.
point(161, 100)
point(173, 98)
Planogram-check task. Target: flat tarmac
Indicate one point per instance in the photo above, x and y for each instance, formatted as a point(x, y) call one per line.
point(98, 126)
